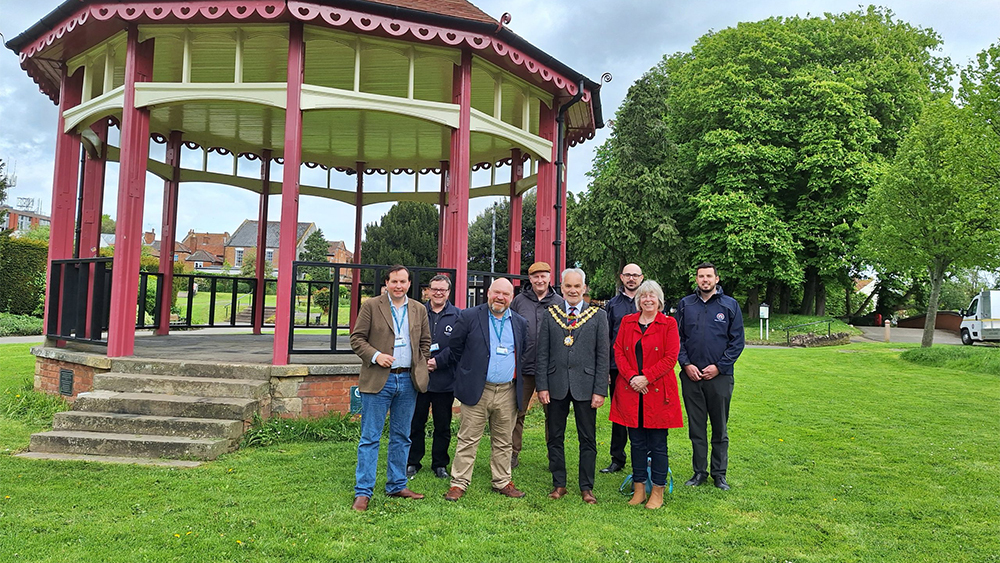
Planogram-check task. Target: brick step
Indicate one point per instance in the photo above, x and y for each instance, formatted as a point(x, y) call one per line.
point(120, 423)
point(179, 385)
point(227, 408)
point(128, 445)
point(182, 368)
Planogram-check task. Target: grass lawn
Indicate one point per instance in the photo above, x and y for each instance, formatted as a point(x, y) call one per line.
point(837, 454)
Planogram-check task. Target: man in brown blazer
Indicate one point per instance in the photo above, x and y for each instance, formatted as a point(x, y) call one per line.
point(393, 339)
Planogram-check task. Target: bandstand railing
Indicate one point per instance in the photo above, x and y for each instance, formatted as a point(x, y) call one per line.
point(323, 315)
point(479, 284)
point(79, 299)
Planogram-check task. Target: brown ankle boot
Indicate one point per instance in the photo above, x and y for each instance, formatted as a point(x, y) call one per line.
point(639, 496)
point(656, 497)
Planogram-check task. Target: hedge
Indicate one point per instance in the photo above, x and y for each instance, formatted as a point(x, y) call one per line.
point(22, 275)
point(19, 325)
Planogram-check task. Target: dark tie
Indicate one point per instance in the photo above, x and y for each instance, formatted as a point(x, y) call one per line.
point(572, 316)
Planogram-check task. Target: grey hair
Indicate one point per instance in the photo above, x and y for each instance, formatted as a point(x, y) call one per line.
point(650, 287)
point(581, 273)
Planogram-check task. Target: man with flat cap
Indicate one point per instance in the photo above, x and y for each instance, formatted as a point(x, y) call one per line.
point(531, 304)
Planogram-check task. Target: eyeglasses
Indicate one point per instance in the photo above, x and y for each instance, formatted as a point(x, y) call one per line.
point(438, 290)
point(632, 275)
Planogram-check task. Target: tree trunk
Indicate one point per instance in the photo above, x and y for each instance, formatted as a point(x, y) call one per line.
point(847, 301)
point(771, 297)
point(868, 299)
point(786, 299)
point(820, 298)
point(752, 307)
point(809, 292)
point(937, 276)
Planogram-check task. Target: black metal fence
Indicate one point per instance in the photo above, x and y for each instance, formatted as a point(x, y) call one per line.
point(479, 284)
point(79, 299)
point(309, 308)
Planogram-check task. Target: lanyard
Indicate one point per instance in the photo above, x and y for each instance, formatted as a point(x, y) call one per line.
point(493, 321)
point(399, 322)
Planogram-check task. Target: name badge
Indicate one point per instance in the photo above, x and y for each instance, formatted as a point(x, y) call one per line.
point(399, 342)
point(435, 347)
point(502, 350)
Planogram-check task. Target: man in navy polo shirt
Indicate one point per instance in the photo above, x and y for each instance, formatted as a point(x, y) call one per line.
point(710, 324)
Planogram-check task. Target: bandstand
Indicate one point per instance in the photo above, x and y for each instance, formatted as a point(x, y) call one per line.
point(397, 88)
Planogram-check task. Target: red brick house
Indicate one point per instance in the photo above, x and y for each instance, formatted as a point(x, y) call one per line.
point(22, 220)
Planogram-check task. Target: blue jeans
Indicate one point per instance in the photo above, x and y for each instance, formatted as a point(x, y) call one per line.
point(651, 442)
point(398, 398)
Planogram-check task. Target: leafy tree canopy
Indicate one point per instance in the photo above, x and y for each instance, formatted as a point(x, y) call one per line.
point(107, 225)
point(407, 235)
point(937, 207)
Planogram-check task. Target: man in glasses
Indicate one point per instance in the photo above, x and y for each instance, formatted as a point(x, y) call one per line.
point(440, 394)
point(619, 306)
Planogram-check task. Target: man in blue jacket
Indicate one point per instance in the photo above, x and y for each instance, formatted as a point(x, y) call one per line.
point(710, 324)
point(440, 394)
point(486, 349)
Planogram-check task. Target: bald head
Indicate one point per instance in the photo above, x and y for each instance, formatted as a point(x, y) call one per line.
point(499, 296)
point(631, 278)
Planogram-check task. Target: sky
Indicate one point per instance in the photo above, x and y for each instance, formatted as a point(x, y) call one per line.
point(623, 37)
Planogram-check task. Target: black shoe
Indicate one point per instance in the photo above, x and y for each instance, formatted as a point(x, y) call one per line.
point(513, 461)
point(615, 467)
point(696, 479)
point(411, 470)
point(440, 473)
point(721, 483)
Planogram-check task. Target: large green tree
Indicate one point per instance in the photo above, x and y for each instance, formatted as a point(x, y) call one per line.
point(938, 205)
point(407, 235)
point(314, 250)
point(790, 118)
point(481, 235)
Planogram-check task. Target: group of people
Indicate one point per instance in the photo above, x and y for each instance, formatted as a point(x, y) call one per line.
point(493, 358)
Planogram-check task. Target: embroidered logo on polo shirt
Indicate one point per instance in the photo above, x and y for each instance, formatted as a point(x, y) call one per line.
point(720, 318)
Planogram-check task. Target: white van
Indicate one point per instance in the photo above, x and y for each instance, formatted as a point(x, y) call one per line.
point(981, 321)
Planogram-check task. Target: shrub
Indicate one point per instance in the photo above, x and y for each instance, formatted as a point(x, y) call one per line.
point(334, 427)
point(321, 298)
point(22, 274)
point(20, 325)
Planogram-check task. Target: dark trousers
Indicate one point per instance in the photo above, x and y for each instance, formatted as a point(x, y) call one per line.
point(440, 405)
point(586, 430)
point(708, 401)
point(650, 442)
point(619, 433)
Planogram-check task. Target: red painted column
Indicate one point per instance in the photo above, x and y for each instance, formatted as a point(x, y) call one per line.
point(93, 195)
point(289, 192)
point(459, 179)
point(514, 252)
point(562, 219)
point(442, 217)
point(131, 194)
point(259, 299)
point(65, 177)
point(359, 202)
point(545, 234)
point(168, 228)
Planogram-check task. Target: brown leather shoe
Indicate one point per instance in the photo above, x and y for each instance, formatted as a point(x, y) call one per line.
point(558, 492)
point(360, 504)
point(589, 498)
point(509, 490)
point(407, 493)
point(454, 494)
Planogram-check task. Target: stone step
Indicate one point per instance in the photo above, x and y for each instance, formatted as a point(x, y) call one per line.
point(128, 445)
point(176, 463)
point(179, 385)
point(120, 423)
point(227, 408)
point(184, 368)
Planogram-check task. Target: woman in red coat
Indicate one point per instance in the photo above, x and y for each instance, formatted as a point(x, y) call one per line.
point(646, 399)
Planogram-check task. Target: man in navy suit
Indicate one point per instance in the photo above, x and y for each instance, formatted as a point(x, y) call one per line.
point(486, 348)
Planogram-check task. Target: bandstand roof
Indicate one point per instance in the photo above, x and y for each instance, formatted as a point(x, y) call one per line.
point(378, 77)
